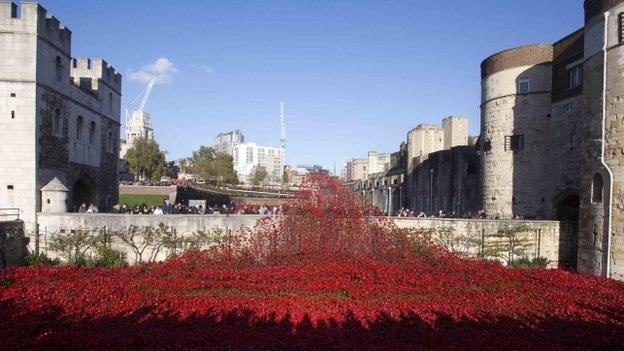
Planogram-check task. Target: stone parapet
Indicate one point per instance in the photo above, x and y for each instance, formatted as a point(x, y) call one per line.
point(596, 7)
point(530, 55)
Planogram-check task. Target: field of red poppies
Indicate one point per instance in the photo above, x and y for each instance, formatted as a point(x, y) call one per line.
point(328, 275)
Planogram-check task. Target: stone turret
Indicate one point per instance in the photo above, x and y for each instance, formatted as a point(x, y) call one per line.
point(516, 97)
point(54, 197)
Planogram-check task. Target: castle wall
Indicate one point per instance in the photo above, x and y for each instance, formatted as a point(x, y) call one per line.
point(447, 181)
point(543, 235)
point(601, 224)
point(565, 151)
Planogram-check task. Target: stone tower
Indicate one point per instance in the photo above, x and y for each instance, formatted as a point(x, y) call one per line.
point(601, 224)
point(516, 100)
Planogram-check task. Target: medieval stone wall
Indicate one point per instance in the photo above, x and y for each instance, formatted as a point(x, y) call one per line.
point(544, 236)
point(601, 224)
point(447, 181)
point(38, 87)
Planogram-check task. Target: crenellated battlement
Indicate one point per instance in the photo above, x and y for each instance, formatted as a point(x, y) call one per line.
point(8, 10)
point(30, 17)
point(96, 70)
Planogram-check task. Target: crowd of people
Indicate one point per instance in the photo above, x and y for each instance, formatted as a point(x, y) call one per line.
point(179, 182)
point(178, 208)
point(481, 214)
point(87, 208)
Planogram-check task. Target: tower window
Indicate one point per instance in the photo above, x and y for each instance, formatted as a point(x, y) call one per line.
point(92, 133)
point(13, 95)
point(597, 188)
point(523, 85)
point(79, 123)
point(487, 145)
point(58, 65)
point(12, 114)
point(111, 140)
point(621, 28)
point(56, 122)
point(514, 142)
point(575, 77)
point(110, 101)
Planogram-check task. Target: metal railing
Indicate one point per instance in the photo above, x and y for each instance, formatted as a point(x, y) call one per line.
point(9, 214)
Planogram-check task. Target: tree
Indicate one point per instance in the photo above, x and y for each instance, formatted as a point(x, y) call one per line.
point(258, 175)
point(206, 163)
point(509, 243)
point(72, 246)
point(145, 159)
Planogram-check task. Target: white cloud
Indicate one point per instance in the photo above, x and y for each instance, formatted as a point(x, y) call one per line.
point(162, 70)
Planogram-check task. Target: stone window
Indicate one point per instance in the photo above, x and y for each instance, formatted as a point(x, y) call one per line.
point(487, 145)
point(523, 85)
point(621, 28)
point(92, 133)
point(471, 167)
point(110, 101)
point(58, 69)
point(575, 77)
point(12, 94)
point(79, 124)
point(12, 114)
point(111, 141)
point(597, 188)
point(56, 122)
point(514, 142)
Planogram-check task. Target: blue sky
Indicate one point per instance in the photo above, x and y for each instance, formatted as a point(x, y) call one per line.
point(355, 75)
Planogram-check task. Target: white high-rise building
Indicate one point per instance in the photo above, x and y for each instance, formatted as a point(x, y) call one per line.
point(225, 142)
point(249, 155)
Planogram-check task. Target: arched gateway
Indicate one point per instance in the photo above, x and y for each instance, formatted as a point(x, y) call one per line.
point(83, 192)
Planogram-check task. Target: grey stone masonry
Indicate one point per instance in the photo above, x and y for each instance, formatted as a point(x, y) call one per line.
point(13, 244)
point(59, 116)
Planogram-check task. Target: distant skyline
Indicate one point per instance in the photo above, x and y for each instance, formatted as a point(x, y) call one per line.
point(355, 75)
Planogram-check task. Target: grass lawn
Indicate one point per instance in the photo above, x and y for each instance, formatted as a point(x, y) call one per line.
point(132, 200)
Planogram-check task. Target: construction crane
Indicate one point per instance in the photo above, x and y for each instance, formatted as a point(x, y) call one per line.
point(145, 94)
point(283, 126)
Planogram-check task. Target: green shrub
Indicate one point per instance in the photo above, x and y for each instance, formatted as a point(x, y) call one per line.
point(107, 257)
point(40, 259)
point(525, 262)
